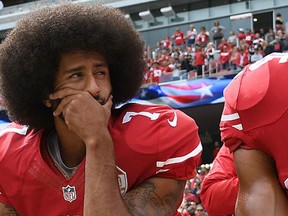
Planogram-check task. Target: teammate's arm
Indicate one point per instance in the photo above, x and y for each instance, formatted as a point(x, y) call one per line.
point(156, 196)
point(6, 210)
point(260, 193)
point(220, 181)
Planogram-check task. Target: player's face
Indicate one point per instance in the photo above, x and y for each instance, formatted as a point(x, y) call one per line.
point(85, 71)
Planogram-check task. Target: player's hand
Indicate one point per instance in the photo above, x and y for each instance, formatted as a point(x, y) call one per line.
point(82, 113)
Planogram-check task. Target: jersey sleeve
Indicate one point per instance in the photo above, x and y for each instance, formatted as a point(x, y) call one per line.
point(4, 199)
point(254, 98)
point(221, 181)
point(13, 159)
point(179, 146)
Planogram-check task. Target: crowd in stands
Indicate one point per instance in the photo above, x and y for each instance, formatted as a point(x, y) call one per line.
point(200, 52)
point(191, 204)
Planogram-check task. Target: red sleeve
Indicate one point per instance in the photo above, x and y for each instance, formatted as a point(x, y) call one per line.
point(4, 199)
point(220, 186)
point(180, 147)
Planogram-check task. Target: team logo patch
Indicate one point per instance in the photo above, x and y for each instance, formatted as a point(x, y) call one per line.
point(122, 181)
point(69, 193)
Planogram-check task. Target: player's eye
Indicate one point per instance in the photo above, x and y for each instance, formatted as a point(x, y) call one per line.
point(76, 75)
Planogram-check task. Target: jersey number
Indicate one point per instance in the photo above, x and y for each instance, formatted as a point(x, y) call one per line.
point(128, 116)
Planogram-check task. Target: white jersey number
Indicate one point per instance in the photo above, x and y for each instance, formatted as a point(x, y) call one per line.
point(128, 116)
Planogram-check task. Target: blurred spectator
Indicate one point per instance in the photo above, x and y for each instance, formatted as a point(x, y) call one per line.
point(234, 56)
point(166, 44)
point(186, 62)
point(257, 40)
point(173, 63)
point(279, 22)
point(163, 56)
point(188, 196)
point(204, 169)
point(210, 52)
point(242, 58)
point(224, 43)
point(196, 186)
point(200, 211)
point(249, 37)
point(147, 76)
point(240, 36)
point(224, 58)
point(285, 43)
point(156, 72)
point(262, 33)
point(270, 35)
point(199, 59)
point(179, 38)
point(203, 37)
point(217, 32)
point(276, 45)
point(191, 208)
point(232, 39)
point(176, 52)
point(166, 69)
point(188, 208)
point(257, 55)
point(191, 35)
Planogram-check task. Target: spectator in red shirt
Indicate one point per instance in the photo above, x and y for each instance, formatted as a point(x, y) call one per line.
point(240, 36)
point(179, 38)
point(199, 59)
point(249, 37)
point(203, 37)
point(166, 44)
point(156, 71)
point(224, 43)
point(224, 58)
point(242, 58)
point(163, 56)
point(234, 55)
point(166, 69)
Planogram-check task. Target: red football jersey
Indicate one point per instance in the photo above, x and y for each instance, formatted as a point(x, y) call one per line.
point(149, 141)
point(255, 113)
point(179, 38)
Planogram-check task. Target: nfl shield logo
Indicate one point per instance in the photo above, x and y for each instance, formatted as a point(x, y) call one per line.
point(69, 193)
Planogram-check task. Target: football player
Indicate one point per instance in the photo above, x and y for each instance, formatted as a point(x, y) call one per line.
point(253, 126)
point(71, 150)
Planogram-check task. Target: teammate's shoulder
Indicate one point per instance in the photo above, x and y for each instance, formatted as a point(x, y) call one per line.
point(18, 146)
point(262, 80)
point(16, 137)
point(14, 129)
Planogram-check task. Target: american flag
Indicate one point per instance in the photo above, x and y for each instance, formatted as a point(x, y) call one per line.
point(185, 93)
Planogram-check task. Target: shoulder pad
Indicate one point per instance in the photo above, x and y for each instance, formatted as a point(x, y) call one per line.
point(259, 91)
